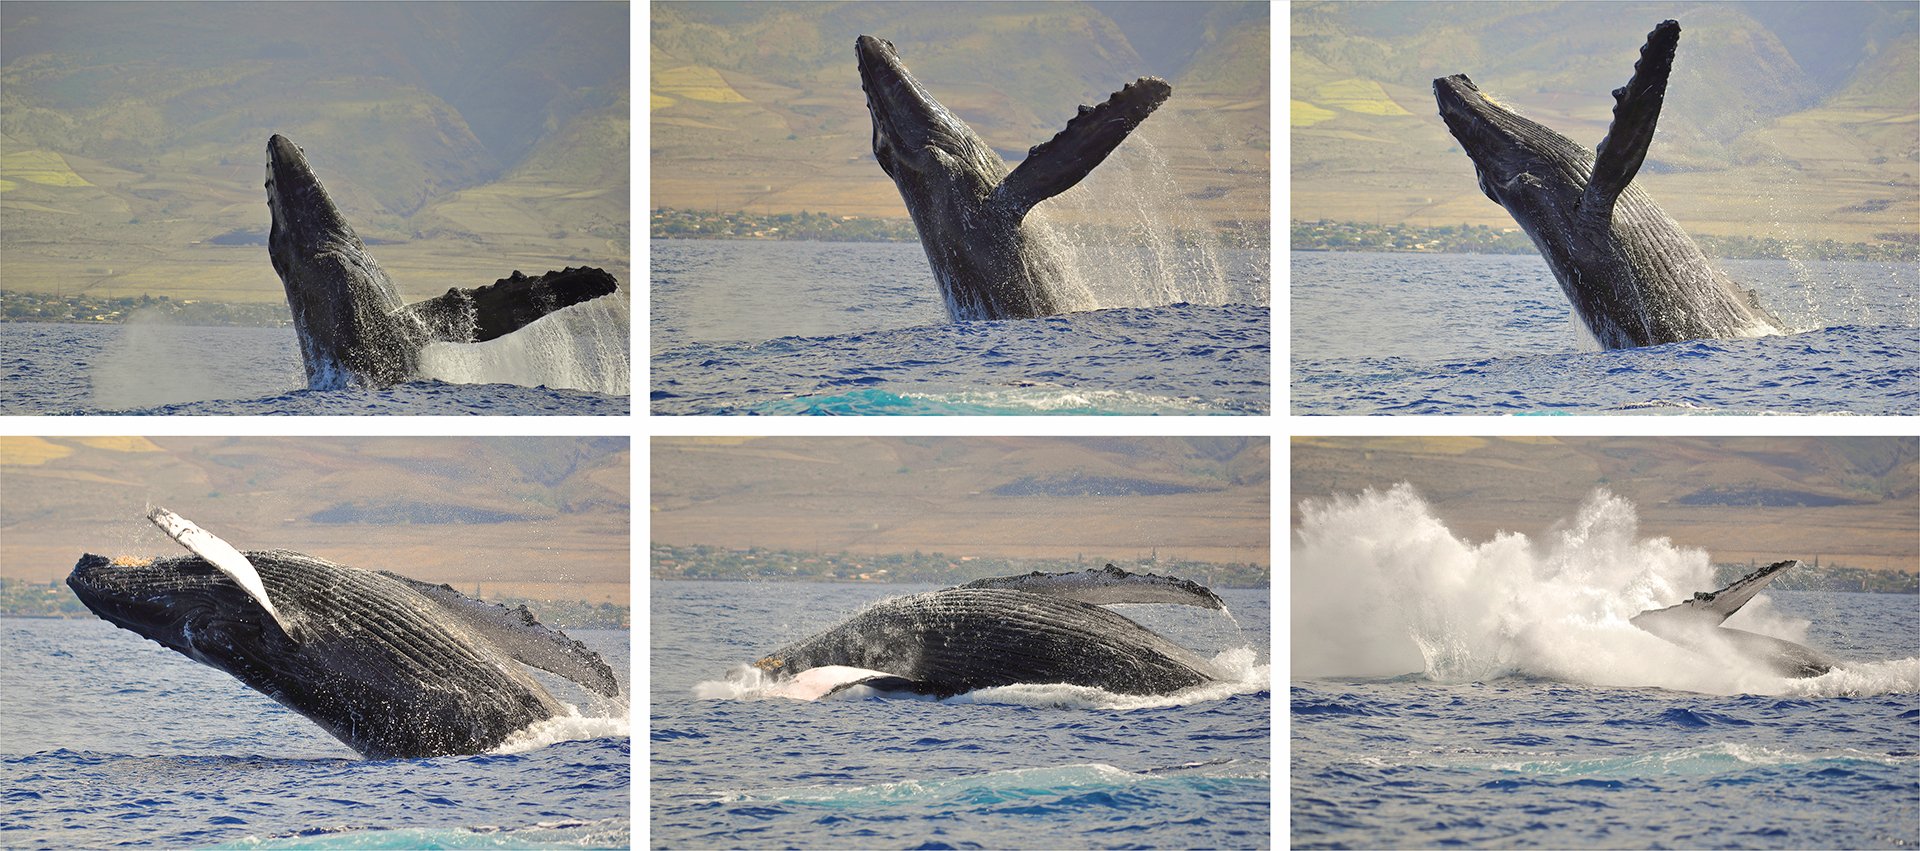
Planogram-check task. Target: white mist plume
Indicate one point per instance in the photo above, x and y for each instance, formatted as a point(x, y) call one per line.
point(1381, 587)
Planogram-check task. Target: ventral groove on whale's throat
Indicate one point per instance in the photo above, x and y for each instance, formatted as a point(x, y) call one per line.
point(1631, 274)
point(988, 259)
point(392, 666)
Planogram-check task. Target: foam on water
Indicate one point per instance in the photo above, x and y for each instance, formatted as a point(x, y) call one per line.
point(1382, 587)
point(1013, 785)
point(571, 727)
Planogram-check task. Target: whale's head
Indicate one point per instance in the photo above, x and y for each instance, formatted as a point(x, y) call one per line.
point(188, 605)
point(1521, 163)
point(921, 144)
point(343, 303)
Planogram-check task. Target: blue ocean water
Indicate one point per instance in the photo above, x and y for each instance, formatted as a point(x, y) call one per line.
point(1380, 333)
point(111, 740)
point(573, 362)
point(1015, 767)
point(1448, 693)
point(746, 327)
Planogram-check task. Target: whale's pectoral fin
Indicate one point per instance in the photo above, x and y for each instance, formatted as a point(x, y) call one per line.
point(1712, 608)
point(1108, 585)
point(891, 683)
point(1054, 166)
point(223, 557)
point(1636, 110)
point(519, 635)
point(507, 305)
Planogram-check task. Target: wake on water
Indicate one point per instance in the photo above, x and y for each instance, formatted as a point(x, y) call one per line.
point(1381, 587)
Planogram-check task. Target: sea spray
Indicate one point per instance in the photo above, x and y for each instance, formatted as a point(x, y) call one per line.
point(1382, 587)
point(583, 347)
point(1129, 235)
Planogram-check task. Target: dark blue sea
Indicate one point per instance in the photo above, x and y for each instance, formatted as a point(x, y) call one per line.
point(1380, 333)
point(749, 327)
point(1024, 766)
point(576, 361)
point(110, 740)
point(1447, 693)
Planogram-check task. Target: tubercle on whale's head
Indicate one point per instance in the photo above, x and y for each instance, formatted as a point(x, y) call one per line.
point(912, 131)
point(182, 603)
point(1513, 156)
point(301, 209)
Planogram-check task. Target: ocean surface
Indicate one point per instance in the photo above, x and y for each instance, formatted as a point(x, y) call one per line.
point(1024, 766)
point(576, 361)
point(751, 327)
point(1447, 693)
point(111, 740)
point(1380, 333)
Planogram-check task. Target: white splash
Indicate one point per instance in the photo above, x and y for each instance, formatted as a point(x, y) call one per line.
point(1381, 587)
point(587, 346)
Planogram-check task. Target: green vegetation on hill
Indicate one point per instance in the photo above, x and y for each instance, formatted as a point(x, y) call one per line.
point(1480, 239)
point(18, 306)
point(669, 223)
point(700, 561)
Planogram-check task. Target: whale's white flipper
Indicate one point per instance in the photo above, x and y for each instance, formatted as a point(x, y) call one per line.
point(1695, 624)
point(218, 553)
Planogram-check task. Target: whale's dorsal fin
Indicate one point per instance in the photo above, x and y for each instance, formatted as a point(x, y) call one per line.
point(1054, 166)
point(1716, 606)
point(1635, 111)
point(1108, 585)
point(221, 555)
point(519, 635)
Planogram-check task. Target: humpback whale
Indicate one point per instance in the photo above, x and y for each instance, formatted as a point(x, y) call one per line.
point(1632, 275)
point(1039, 628)
point(1695, 625)
point(989, 261)
point(352, 326)
point(393, 667)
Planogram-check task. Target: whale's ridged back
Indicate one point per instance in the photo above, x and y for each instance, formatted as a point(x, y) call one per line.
point(960, 639)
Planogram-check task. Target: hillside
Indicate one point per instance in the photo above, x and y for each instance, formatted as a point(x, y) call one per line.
point(1794, 121)
point(1853, 501)
point(463, 141)
point(1205, 499)
point(527, 517)
point(758, 107)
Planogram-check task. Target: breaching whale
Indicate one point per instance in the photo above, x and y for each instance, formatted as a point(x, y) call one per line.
point(1039, 628)
point(970, 211)
point(352, 326)
point(393, 667)
point(1632, 275)
point(1695, 625)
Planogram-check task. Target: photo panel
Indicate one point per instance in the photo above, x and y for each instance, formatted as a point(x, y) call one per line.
point(404, 638)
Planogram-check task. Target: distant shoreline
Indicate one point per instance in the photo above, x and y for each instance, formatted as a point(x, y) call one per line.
point(1404, 238)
